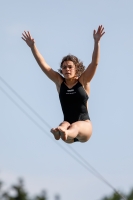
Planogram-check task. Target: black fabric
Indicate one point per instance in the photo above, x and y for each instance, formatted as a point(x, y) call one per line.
point(74, 103)
point(76, 140)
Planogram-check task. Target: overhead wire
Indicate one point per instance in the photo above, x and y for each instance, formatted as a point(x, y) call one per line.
point(81, 161)
point(42, 129)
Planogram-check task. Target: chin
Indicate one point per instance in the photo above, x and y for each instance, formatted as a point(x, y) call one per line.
point(67, 76)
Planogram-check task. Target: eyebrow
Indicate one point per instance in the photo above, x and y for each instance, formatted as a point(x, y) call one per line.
point(67, 65)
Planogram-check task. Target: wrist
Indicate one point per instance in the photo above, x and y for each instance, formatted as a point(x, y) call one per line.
point(97, 41)
point(32, 46)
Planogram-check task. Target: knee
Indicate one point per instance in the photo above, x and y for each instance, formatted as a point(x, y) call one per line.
point(73, 126)
point(84, 138)
point(65, 123)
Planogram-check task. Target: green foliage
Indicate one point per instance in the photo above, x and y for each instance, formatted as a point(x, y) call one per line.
point(130, 195)
point(20, 193)
point(42, 196)
point(116, 196)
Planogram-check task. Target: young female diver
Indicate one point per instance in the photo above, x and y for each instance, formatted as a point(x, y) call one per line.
point(73, 88)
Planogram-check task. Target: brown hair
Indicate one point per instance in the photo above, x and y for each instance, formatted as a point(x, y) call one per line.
point(79, 65)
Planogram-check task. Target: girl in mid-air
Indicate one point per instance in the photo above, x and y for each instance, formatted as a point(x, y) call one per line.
point(73, 85)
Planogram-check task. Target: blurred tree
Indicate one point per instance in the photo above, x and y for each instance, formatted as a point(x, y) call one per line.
point(43, 196)
point(21, 194)
point(116, 196)
point(3, 195)
point(130, 196)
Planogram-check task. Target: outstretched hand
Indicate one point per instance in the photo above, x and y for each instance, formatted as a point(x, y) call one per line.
point(28, 39)
point(99, 33)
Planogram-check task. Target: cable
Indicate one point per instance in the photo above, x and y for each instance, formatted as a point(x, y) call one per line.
point(93, 171)
point(24, 102)
point(42, 129)
point(90, 168)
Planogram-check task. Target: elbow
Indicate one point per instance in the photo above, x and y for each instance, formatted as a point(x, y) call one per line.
point(94, 63)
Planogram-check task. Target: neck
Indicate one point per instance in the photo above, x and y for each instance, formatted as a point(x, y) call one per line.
point(71, 81)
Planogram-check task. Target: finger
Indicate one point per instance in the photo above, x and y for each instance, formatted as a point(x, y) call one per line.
point(23, 39)
point(26, 33)
point(99, 27)
point(102, 28)
point(94, 32)
point(102, 34)
point(29, 34)
point(24, 36)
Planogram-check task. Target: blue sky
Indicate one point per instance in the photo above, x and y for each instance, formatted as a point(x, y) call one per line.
point(61, 27)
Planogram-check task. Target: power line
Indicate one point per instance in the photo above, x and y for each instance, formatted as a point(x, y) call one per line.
point(42, 129)
point(24, 102)
point(84, 163)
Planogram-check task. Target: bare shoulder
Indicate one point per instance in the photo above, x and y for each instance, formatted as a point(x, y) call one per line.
point(85, 84)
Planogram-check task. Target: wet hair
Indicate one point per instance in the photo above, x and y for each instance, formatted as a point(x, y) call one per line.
point(78, 64)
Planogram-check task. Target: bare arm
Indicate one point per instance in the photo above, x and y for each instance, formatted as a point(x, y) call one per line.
point(90, 71)
point(53, 75)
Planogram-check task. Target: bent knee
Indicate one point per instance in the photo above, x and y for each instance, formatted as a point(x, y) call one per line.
point(84, 138)
point(74, 125)
point(65, 123)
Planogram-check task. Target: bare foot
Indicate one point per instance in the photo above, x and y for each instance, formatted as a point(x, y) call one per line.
point(63, 133)
point(56, 133)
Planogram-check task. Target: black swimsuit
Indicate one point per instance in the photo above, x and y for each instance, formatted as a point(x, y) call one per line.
point(74, 103)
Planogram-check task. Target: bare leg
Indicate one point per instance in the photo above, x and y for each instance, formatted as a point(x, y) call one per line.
point(82, 130)
point(56, 131)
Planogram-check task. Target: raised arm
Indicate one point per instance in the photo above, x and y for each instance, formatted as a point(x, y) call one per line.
point(53, 75)
point(90, 71)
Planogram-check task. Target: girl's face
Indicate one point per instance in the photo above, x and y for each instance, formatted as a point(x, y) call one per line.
point(68, 69)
